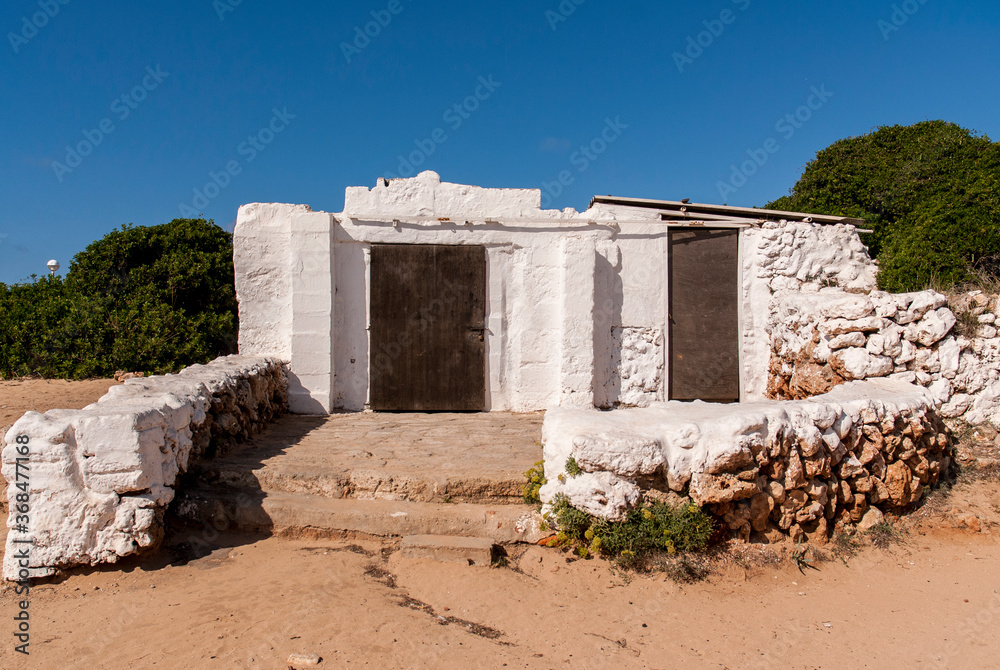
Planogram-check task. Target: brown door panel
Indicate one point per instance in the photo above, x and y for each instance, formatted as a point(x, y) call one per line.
point(703, 320)
point(428, 311)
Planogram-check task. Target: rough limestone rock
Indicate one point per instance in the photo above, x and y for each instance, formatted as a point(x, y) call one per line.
point(848, 340)
point(899, 480)
point(601, 494)
point(932, 327)
point(918, 304)
point(835, 327)
point(811, 379)
point(848, 306)
point(949, 354)
point(986, 406)
point(620, 453)
point(101, 477)
point(872, 518)
point(815, 346)
point(709, 489)
point(857, 363)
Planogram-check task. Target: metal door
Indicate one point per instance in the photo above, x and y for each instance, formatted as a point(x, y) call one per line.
point(704, 315)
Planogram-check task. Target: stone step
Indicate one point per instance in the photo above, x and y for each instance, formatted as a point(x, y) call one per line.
point(464, 550)
point(365, 483)
point(283, 513)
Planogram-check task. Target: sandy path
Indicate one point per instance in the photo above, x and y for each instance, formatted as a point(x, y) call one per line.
point(17, 397)
point(932, 602)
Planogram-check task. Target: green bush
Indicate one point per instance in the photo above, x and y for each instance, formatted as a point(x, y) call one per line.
point(930, 192)
point(152, 299)
point(653, 527)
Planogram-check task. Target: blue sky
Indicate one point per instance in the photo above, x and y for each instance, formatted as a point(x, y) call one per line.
point(201, 105)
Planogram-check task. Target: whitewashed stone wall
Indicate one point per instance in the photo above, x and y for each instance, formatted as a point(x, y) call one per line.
point(791, 257)
point(795, 467)
point(575, 311)
point(102, 477)
point(825, 337)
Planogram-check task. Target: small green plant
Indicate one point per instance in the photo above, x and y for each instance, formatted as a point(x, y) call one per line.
point(536, 480)
point(573, 468)
point(884, 534)
point(967, 321)
point(799, 557)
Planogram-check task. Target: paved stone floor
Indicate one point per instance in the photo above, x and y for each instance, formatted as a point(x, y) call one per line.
point(474, 457)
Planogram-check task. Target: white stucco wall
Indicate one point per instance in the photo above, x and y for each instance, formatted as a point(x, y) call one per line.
point(577, 303)
point(315, 313)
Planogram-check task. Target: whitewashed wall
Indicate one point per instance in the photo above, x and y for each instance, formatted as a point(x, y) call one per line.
point(310, 305)
point(576, 302)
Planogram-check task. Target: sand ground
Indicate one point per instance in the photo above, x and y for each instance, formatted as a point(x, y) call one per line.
point(931, 600)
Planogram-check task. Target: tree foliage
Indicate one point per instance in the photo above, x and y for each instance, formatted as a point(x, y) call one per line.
point(930, 192)
point(142, 298)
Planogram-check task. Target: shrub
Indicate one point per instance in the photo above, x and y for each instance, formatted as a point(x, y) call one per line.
point(930, 192)
point(154, 299)
point(573, 468)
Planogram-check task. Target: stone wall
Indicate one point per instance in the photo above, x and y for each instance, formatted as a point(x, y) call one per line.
point(102, 477)
point(795, 467)
point(824, 337)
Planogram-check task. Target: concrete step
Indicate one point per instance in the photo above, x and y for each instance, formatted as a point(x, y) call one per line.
point(294, 514)
point(363, 483)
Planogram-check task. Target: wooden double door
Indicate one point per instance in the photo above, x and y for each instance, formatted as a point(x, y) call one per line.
point(428, 327)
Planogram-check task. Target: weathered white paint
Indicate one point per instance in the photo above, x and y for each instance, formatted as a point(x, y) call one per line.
point(261, 255)
point(310, 379)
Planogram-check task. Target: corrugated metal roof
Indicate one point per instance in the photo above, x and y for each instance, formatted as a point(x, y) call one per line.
point(677, 210)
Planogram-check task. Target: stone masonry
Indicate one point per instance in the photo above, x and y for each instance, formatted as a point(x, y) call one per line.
point(102, 477)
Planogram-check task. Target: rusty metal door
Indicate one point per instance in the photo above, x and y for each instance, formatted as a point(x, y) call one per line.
point(704, 315)
point(428, 318)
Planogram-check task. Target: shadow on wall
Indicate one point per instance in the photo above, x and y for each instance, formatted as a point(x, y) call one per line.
point(608, 317)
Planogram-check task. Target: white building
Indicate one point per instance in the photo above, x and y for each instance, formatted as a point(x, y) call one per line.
point(423, 295)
